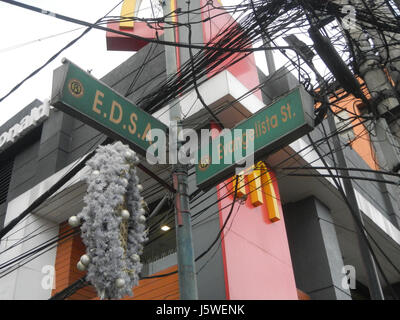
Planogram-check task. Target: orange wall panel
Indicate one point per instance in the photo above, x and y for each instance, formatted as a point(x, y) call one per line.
point(362, 143)
point(66, 272)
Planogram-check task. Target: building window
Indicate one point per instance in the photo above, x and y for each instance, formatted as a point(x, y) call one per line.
point(344, 125)
point(6, 167)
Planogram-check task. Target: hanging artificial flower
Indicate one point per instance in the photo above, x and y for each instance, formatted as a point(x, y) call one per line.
point(113, 222)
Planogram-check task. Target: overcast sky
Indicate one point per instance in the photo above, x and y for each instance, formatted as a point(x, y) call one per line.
point(29, 39)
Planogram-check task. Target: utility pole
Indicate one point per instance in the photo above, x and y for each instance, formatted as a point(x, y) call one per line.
point(375, 287)
point(388, 50)
point(184, 241)
point(269, 57)
point(384, 99)
point(306, 54)
point(369, 262)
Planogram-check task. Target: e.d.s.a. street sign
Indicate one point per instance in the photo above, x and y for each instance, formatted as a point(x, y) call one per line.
point(79, 94)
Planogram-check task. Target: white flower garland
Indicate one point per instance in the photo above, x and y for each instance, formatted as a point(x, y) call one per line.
point(113, 222)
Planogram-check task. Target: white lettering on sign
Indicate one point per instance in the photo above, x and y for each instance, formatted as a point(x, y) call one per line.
point(37, 116)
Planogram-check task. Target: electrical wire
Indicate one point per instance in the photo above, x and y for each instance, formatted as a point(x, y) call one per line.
point(68, 45)
point(199, 62)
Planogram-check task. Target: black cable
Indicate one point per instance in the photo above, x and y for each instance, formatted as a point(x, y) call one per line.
point(34, 251)
point(91, 149)
point(130, 35)
point(235, 193)
point(219, 245)
point(340, 176)
point(223, 226)
point(217, 120)
point(341, 168)
point(35, 204)
point(361, 228)
point(168, 274)
point(141, 68)
point(198, 258)
point(322, 140)
point(219, 200)
point(70, 290)
point(71, 43)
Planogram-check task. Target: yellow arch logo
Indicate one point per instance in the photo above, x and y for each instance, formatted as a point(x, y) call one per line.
point(260, 184)
point(131, 7)
point(128, 10)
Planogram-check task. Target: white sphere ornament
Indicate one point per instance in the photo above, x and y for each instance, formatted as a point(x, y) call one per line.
point(73, 221)
point(85, 260)
point(81, 266)
point(135, 257)
point(125, 214)
point(140, 187)
point(129, 155)
point(95, 172)
point(120, 283)
point(142, 211)
point(142, 219)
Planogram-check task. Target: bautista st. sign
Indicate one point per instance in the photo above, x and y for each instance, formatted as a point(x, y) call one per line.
point(271, 128)
point(78, 93)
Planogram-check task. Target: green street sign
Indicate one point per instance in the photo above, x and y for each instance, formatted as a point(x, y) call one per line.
point(79, 94)
point(271, 128)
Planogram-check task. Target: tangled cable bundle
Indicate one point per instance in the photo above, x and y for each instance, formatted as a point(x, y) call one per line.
point(113, 222)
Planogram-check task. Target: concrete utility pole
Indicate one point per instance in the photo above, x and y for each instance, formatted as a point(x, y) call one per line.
point(389, 53)
point(269, 57)
point(369, 262)
point(384, 97)
point(331, 58)
point(375, 287)
point(184, 243)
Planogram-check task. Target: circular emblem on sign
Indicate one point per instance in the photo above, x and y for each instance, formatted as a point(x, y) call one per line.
point(75, 87)
point(204, 163)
